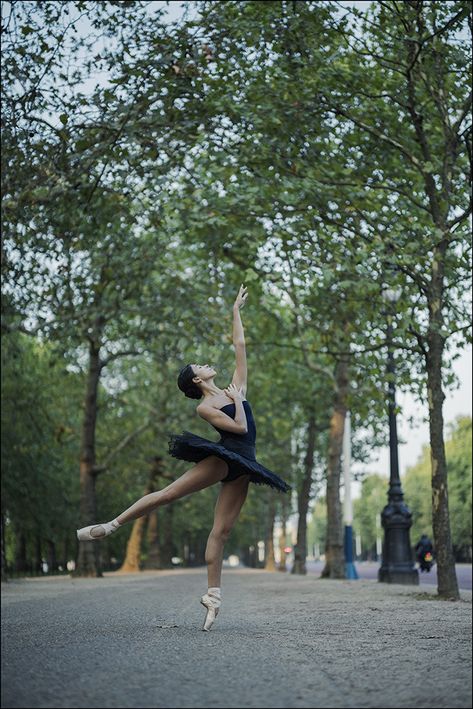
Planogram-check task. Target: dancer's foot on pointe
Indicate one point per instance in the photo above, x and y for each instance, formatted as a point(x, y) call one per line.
point(212, 601)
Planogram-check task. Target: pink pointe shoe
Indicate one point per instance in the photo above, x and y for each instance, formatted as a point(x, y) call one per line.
point(102, 530)
point(212, 603)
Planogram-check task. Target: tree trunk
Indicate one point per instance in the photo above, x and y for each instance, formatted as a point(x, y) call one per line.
point(2, 548)
point(440, 201)
point(167, 544)
point(446, 575)
point(283, 536)
point(65, 552)
point(153, 560)
point(132, 562)
point(334, 557)
point(300, 548)
point(21, 564)
point(186, 548)
point(199, 558)
point(38, 561)
point(252, 556)
point(88, 563)
point(269, 562)
point(52, 557)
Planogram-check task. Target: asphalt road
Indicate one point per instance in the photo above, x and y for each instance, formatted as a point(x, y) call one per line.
point(369, 570)
point(280, 640)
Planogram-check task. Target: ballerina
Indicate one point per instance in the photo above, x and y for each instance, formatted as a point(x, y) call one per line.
point(231, 460)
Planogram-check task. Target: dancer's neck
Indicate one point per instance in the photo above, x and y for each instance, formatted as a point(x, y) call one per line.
point(211, 390)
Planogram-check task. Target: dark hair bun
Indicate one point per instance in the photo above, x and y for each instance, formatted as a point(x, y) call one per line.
point(186, 385)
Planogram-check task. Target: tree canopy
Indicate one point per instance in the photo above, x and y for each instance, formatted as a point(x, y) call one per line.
point(316, 152)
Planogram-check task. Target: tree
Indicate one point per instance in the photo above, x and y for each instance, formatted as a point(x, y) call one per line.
point(274, 193)
point(85, 282)
point(402, 86)
point(387, 149)
point(39, 427)
point(343, 164)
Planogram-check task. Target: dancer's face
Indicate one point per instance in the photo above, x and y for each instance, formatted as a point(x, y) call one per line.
point(204, 372)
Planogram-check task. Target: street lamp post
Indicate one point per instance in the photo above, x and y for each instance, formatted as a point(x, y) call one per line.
point(397, 565)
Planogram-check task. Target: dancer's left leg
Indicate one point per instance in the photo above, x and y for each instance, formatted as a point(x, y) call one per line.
point(208, 472)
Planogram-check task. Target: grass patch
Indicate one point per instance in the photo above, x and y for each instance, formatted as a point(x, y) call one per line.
point(424, 596)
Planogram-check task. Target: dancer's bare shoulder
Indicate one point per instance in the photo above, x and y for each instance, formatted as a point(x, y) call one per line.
point(211, 411)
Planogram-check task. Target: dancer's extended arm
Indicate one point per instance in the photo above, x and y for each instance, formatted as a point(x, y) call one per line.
point(240, 375)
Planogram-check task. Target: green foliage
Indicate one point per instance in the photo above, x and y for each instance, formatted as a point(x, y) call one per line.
point(317, 526)
point(417, 489)
point(418, 495)
point(459, 457)
point(40, 426)
point(416, 484)
point(275, 144)
point(366, 512)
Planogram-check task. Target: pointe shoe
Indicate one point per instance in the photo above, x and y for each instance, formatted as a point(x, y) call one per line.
point(213, 606)
point(105, 528)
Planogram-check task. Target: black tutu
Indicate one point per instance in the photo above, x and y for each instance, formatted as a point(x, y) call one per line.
point(240, 458)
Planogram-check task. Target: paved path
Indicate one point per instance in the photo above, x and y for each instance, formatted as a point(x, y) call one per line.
point(369, 570)
point(279, 641)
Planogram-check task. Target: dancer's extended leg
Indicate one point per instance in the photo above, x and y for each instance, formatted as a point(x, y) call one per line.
point(208, 472)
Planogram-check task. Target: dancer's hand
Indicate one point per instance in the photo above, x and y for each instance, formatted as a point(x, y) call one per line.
point(234, 393)
point(241, 298)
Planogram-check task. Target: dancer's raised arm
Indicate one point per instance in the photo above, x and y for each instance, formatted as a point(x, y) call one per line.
point(240, 375)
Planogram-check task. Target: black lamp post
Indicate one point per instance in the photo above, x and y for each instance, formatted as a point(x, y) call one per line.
point(397, 564)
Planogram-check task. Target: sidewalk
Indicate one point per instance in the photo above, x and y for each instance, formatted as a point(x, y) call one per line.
point(279, 641)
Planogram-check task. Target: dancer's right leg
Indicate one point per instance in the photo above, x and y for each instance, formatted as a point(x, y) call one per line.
point(208, 472)
point(230, 500)
point(229, 503)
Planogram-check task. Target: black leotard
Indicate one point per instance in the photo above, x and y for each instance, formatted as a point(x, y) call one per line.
point(238, 450)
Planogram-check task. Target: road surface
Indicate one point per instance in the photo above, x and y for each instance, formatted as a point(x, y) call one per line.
point(369, 570)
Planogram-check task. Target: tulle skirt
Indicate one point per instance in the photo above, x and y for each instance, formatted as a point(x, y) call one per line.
point(240, 457)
